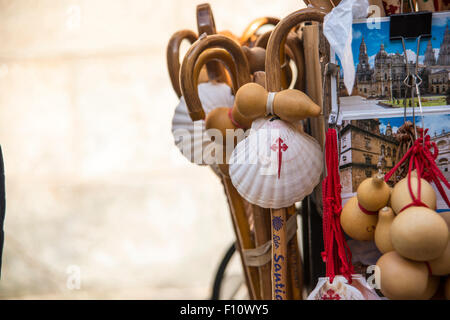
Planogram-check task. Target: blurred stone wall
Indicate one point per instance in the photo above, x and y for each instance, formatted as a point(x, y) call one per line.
point(95, 187)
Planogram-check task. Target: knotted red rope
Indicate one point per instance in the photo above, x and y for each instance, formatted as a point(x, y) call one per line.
point(422, 158)
point(337, 255)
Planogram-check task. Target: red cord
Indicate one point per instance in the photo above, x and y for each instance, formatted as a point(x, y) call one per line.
point(422, 158)
point(230, 115)
point(370, 213)
point(337, 255)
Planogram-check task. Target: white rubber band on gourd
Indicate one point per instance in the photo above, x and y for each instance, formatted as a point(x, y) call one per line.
point(269, 104)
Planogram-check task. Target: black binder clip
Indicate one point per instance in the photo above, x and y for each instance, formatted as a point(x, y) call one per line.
point(415, 25)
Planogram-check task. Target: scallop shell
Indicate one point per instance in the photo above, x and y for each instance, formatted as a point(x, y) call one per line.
point(189, 136)
point(276, 165)
point(340, 289)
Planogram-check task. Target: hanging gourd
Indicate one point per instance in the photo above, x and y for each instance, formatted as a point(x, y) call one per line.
point(401, 196)
point(357, 224)
point(441, 265)
point(373, 193)
point(432, 288)
point(400, 278)
point(419, 234)
point(383, 230)
point(289, 105)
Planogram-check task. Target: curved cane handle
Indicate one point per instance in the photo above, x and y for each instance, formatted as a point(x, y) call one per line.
point(217, 54)
point(296, 53)
point(173, 56)
point(207, 25)
point(294, 50)
point(253, 101)
point(255, 25)
point(187, 82)
point(205, 19)
point(278, 38)
point(230, 35)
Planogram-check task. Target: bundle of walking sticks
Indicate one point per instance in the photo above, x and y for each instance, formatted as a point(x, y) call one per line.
point(270, 77)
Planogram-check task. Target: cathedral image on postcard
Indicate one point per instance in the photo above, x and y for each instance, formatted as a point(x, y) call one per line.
point(384, 80)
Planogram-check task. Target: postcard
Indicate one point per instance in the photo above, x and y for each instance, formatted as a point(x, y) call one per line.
point(381, 101)
point(381, 71)
point(364, 143)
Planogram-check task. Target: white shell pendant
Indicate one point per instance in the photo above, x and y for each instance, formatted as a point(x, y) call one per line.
point(276, 165)
point(340, 289)
point(189, 136)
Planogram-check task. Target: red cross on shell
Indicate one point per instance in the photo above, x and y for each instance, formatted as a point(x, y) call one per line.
point(281, 147)
point(331, 295)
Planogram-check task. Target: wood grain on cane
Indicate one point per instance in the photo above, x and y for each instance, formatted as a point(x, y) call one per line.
point(294, 262)
point(273, 75)
point(261, 218)
point(173, 56)
point(279, 254)
point(219, 55)
point(243, 233)
point(249, 35)
point(218, 47)
point(313, 75)
point(188, 85)
point(296, 47)
point(207, 25)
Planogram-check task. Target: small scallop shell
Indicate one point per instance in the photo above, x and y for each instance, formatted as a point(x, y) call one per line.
point(340, 289)
point(276, 165)
point(188, 135)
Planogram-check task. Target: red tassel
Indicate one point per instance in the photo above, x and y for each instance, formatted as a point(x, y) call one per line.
point(422, 158)
point(337, 255)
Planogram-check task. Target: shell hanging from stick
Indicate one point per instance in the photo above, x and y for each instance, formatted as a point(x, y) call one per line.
point(190, 136)
point(276, 165)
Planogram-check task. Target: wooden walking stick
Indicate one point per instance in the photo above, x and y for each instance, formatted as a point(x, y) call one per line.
point(294, 51)
point(317, 56)
point(277, 191)
point(262, 230)
point(273, 84)
point(207, 25)
point(297, 55)
point(223, 119)
point(236, 207)
point(241, 73)
point(261, 218)
point(173, 56)
point(249, 35)
point(279, 254)
point(213, 70)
